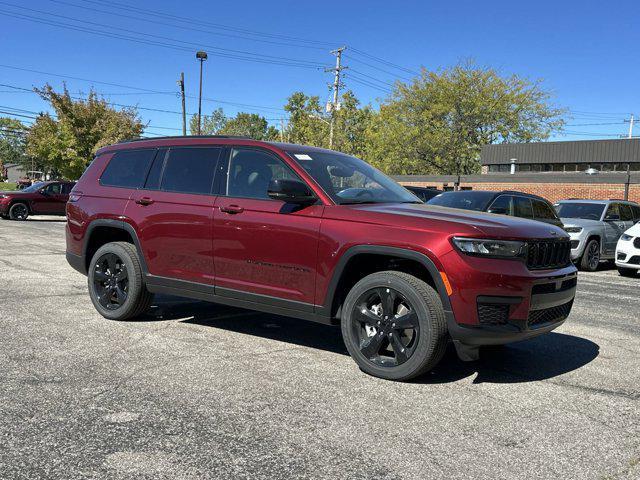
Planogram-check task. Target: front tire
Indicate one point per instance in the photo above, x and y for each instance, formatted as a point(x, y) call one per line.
point(18, 211)
point(591, 256)
point(393, 325)
point(116, 283)
point(627, 272)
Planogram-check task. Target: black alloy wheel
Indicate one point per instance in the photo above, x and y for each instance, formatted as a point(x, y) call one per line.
point(18, 211)
point(591, 256)
point(110, 281)
point(386, 326)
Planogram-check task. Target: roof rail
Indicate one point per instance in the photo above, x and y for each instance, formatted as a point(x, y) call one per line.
point(143, 139)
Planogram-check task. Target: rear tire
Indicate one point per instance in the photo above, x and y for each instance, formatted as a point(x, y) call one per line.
point(591, 257)
point(116, 282)
point(627, 272)
point(19, 211)
point(393, 325)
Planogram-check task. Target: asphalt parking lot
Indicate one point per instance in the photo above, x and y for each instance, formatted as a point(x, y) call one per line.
point(197, 390)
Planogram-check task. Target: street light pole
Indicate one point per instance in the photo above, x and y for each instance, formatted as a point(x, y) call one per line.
point(628, 182)
point(202, 56)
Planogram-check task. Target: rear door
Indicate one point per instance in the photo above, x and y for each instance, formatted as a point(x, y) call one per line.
point(626, 215)
point(173, 214)
point(265, 250)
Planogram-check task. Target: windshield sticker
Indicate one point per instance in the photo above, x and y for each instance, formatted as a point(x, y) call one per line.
point(302, 156)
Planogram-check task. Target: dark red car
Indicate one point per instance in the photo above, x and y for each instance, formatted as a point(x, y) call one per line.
point(42, 198)
point(313, 234)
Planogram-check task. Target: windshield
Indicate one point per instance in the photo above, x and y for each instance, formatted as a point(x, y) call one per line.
point(349, 180)
point(586, 211)
point(33, 188)
point(466, 200)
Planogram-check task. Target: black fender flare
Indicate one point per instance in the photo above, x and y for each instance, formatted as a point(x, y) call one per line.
point(117, 224)
point(388, 251)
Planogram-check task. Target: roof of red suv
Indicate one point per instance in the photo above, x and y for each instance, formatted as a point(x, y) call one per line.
point(225, 139)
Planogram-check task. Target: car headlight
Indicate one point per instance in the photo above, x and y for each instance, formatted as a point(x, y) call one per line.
point(573, 229)
point(626, 237)
point(490, 248)
point(4, 196)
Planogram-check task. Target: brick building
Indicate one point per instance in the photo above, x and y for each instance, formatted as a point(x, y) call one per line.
point(554, 170)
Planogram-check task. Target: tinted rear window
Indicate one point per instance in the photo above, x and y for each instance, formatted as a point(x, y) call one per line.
point(127, 168)
point(190, 169)
point(542, 210)
point(465, 200)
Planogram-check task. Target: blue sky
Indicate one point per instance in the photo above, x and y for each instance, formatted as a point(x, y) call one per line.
point(586, 52)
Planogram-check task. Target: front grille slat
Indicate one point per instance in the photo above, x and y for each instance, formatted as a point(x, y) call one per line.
point(549, 315)
point(542, 254)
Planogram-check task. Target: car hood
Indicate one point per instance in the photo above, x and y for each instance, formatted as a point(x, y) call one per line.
point(456, 221)
point(634, 231)
point(580, 222)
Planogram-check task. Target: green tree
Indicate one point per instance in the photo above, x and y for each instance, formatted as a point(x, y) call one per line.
point(66, 144)
point(250, 125)
point(439, 122)
point(211, 124)
point(12, 141)
point(307, 123)
point(351, 124)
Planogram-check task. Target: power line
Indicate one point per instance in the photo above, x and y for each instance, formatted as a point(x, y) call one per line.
point(166, 43)
point(406, 79)
point(385, 62)
point(189, 28)
point(100, 82)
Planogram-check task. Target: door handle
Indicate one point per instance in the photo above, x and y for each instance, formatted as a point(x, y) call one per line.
point(144, 201)
point(232, 209)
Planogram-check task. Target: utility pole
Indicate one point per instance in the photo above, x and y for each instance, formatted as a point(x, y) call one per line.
point(630, 121)
point(184, 112)
point(336, 87)
point(628, 182)
point(282, 129)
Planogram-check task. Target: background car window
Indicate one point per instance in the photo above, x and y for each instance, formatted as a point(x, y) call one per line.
point(613, 212)
point(66, 188)
point(626, 215)
point(502, 205)
point(586, 211)
point(53, 189)
point(467, 200)
point(127, 168)
point(522, 207)
point(542, 210)
point(190, 170)
point(636, 213)
point(251, 171)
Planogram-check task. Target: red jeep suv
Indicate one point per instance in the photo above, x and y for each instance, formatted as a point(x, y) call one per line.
point(41, 198)
point(313, 234)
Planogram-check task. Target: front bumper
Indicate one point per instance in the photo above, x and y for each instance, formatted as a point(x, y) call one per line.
point(578, 242)
point(500, 301)
point(627, 254)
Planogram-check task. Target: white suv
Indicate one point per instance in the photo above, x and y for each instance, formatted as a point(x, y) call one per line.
point(628, 252)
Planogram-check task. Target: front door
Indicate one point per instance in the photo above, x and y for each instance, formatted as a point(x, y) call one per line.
point(51, 200)
point(613, 229)
point(263, 247)
point(174, 214)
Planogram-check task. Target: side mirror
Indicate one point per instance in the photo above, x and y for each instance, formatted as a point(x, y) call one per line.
point(498, 211)
point(290, 191)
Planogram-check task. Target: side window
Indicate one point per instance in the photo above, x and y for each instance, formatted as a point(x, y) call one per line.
point(251, 170)
point(153, 178)
point(53, 189)
point(127, 168)
point(626, 215)
point(522, 207)
point(502, 205)
point(66, 188)
point(190, 170)
point(636, 213)
point(613, 212)
point(542, 210)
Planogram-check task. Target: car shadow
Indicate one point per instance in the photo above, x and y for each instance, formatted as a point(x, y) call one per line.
point(46, 219)
point(532, 360)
